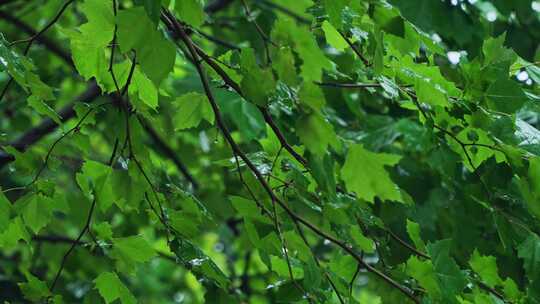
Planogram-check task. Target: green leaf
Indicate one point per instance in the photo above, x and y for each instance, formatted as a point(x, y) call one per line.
point(89, 43)
point(5, 211)
point(312, 96)
point(145, 89)
point(529, 251)
point(133, 249)
point(111, 288)
point(505, 95)
point(37, 212)
point(44, 109)
point(486, 267)
point(333, 37)
point(11, 61)
point(258, 83)
point(199, 263)
point(530, 187)
point(103, 230)
point(157, 58)
point(364, 243)
point(34, 289)
point(95, 179)
point(248, 209)
point(130, 36)
point(14, 232)
point(192, 108)
point(244, 115)
point(316, 133)
point(287, 33)
point(364, 173)
point(424, 273)
point(413, 229)
point(430, 93)
point(450, 278)
point(154, 53)
point(334, 9)
point(190, 11)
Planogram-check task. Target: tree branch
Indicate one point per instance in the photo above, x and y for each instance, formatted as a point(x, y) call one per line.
point(234, 146)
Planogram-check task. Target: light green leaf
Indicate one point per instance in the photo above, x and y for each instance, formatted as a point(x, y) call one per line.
point(413, 229)
point(486, 268)
point(287, 33)
point(37, 212)
point(423, 272)
point(316, 133)
point(34, 289)
point(95, 178)
point(334, 9)
point(111, 288)
point(155, 54)
point(145, 88)
point(312, 96)
point(430, 93)
point(192, 108)
point(199, 263)
point(134, 28)
point(44, 109)
point(364, 173)
point(258, 83)
point(333, 37)
point(133, 249)
point(5, 211)
point(190, 11)
point(364, 243)
point(14, 232)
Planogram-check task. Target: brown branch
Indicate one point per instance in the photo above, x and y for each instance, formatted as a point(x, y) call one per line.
point(355, 49)
point(221, 125)
point(407, 245)
point(57, 239)
point(74, 244)
point(267, 117)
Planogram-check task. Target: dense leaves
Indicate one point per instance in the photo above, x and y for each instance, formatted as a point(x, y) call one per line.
point(270, 151)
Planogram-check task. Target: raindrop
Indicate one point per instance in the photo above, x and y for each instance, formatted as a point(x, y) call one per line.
point(453, 57)
point(491, 16)
point(536, 6)
point(522, 76)
point(197, 262)
point(219, 247)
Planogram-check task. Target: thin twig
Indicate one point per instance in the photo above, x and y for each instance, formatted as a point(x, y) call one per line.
point(221, 125)
point(31, 40)
point(355, 49)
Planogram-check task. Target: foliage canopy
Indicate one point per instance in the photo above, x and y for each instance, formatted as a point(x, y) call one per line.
point(270, 151)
